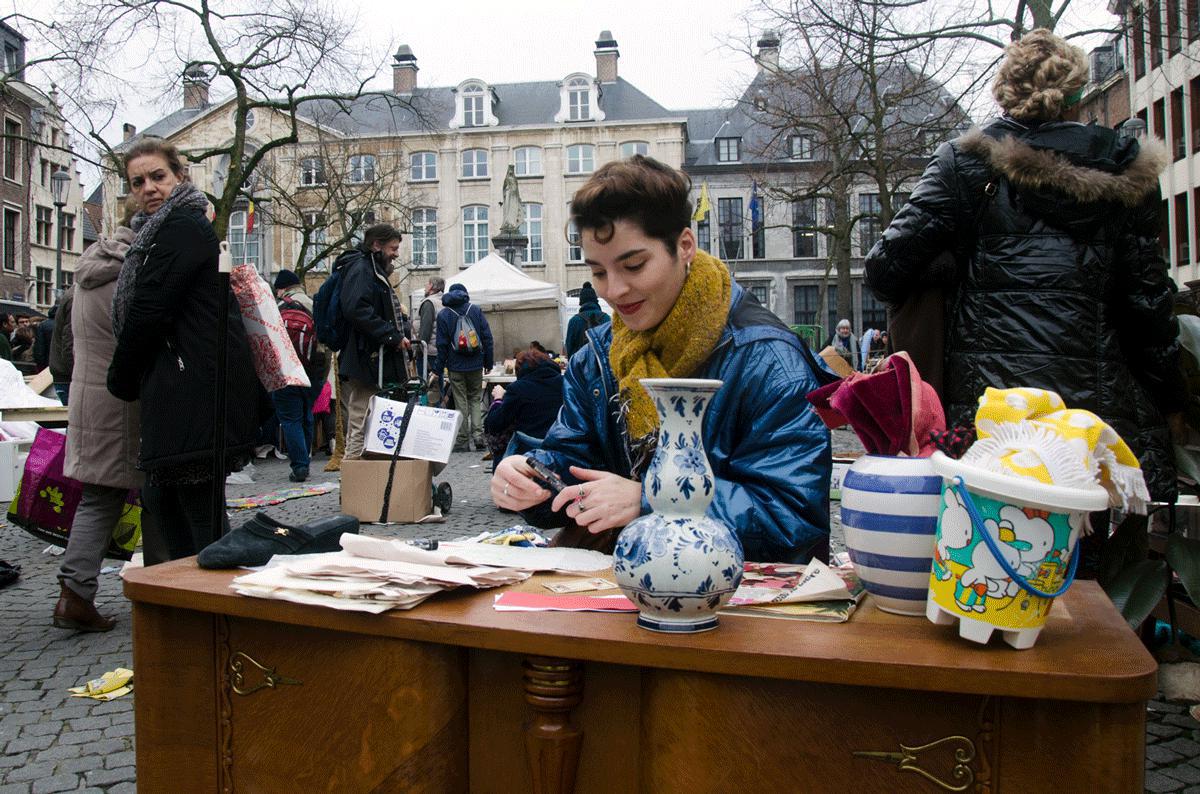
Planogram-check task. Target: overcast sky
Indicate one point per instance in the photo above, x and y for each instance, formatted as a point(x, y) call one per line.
point(682, 53)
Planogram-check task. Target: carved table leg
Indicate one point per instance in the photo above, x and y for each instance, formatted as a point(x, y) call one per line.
point(553, 687)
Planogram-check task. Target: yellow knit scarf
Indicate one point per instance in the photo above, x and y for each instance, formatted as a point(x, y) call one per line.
point(680, 344)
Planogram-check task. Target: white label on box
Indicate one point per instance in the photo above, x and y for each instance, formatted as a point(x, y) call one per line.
point(430, 435)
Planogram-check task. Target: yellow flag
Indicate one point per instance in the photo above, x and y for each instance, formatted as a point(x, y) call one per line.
point(702, 206)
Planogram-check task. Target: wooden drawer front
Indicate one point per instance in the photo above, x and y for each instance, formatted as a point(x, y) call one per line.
point(367, 714)
point(706, 733)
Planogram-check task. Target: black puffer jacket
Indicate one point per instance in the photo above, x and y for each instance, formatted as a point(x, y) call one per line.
point(167, 351)
point(1059, 283)
point(366, 305)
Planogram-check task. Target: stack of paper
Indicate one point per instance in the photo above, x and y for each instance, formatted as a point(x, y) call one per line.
point(811, 592)
point(375, 575)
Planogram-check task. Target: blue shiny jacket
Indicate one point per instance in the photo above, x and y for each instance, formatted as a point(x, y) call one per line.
point(768, 449)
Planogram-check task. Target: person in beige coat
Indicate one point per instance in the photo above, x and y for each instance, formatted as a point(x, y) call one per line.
point(102, 437)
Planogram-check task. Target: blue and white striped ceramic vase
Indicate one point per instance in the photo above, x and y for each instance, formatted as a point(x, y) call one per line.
point(890, 510)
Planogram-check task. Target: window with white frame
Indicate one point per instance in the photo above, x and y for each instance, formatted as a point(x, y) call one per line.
point(358, 221)
point(578, 95)
point(475, 233)
point(531, 228)
point(801, 147)
point(315, 225)
point(66, 232)
point(527, 161)
point(729, 150)
point(472, 98)
point(868, 223)
point(422, 166)
point(729, 216)
point(361, 168)
point(574, 243)
point(474, 164)
point(12, 150)
point(424, 237)
point(804, 228)
point(704, 235)
point(630, 148)
point(12, 238)
point(312, 171)
point(760, 290)
point(43, 279)
point(246, 249)
point(581, 158)
point(43, 226)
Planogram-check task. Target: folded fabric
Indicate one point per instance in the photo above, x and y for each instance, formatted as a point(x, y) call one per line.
point(892, 411)
point(1026, 432)
point(262, 537)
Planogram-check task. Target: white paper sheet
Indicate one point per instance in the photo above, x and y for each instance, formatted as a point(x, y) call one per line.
point(526, 558)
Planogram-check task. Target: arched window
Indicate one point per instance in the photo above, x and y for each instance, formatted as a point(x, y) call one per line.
point(245, 244)
point(360, 168)
point(424, 237)
point(578, 96)
point(527, 161)
point(475, 233)
point(630, 148)
point(474, 164)
point(422, 166)
point(581, 158)
point(473, 97)
point(574, 243)
point(531, 227)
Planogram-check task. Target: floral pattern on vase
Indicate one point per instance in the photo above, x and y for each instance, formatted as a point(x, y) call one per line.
point(677, 564)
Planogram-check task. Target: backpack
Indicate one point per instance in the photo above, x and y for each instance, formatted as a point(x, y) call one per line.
point(466, 340)
point(331, 327)
point(301, 329)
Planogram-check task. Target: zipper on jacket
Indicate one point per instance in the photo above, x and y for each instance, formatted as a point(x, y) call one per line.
point(178, 358)
point(623, 433)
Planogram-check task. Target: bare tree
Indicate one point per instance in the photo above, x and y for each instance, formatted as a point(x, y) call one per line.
point(854, 113)
point(261, 56)
point(351, 189)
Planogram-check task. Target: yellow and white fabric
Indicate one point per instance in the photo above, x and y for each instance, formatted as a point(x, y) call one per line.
point(1026, 432)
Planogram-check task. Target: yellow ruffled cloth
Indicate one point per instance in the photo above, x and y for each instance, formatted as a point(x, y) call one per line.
point(1031, 433)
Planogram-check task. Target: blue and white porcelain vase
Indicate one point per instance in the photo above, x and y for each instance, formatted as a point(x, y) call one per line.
point(678, 565)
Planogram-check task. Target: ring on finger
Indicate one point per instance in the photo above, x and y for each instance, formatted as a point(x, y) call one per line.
point(581, 493)
point(506, 488)
point(580, 507)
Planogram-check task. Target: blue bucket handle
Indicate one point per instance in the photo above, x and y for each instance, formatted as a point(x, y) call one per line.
point(977, 521)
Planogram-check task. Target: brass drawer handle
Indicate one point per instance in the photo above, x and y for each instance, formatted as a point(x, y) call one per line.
point(270, 679)
point(906, 761)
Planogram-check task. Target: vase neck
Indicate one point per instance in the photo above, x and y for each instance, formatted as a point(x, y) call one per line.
point(680, 480)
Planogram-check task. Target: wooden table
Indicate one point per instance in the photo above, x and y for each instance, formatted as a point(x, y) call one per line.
point(242, 694)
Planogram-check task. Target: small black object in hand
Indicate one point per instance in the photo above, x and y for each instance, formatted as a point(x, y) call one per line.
point(545, 476)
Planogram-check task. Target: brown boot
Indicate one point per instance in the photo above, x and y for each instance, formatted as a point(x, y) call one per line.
point(73, 611)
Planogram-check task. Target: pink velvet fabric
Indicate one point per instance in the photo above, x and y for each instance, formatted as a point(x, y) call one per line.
point(892, 410)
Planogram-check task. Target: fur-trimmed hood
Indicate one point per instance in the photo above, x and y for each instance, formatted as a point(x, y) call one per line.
point(1125, 173)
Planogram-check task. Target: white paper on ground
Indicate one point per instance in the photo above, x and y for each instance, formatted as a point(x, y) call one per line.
point(527, 558)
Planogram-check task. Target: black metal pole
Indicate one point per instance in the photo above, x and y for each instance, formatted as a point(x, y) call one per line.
point(219, 406)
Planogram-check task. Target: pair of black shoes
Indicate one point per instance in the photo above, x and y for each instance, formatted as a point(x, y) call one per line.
point(262, 537)
point(299, 475)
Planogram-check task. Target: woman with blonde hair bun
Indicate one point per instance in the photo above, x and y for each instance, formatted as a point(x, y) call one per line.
point(1058, 279)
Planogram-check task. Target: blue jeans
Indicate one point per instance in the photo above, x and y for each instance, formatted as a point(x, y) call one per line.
point(63, 390)
point(293, 408)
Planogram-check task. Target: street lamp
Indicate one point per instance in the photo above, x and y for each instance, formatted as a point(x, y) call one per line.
point(58, 187)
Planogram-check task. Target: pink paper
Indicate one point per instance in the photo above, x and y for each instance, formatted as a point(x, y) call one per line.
point(539, 602)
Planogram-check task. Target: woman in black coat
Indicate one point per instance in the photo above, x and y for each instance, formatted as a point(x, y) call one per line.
point(165, 309)
point(1059, 282)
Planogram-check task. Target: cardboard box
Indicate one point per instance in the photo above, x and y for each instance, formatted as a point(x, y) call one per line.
point(430, 436)
point(836, 363)
point(363, 483)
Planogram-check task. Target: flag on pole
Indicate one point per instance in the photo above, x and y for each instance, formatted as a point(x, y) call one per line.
point(702, 205)
point(755, 206)
point(250, 218)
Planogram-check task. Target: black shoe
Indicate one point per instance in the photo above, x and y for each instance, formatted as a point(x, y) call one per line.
point(262, 537)
point(443, 497)
point(299, 475)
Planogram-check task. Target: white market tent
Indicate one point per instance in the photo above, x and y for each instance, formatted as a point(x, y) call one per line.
point(519, 309)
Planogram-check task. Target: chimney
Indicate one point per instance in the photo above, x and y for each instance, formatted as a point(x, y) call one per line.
point(128, 131)
point(195, 87)
point(606, 57)
point(404, 71)
point(768, 51)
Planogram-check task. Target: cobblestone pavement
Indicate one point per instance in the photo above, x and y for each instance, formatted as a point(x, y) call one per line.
point(52, 742)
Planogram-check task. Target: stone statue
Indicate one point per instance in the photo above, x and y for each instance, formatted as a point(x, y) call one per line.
point(514, 213)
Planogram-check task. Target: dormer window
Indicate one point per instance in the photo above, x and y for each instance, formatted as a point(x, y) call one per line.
point(579, 97)
point(474, 106)
point(801, 147)
point(729, 150)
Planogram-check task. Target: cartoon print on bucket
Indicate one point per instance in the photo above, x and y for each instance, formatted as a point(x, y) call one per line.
point(677, 564)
